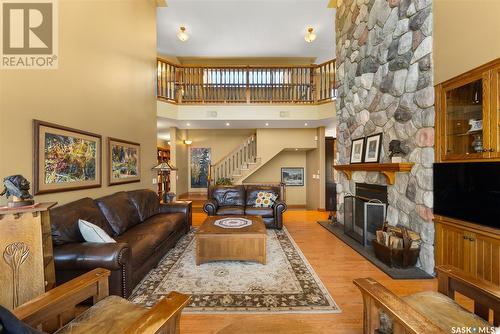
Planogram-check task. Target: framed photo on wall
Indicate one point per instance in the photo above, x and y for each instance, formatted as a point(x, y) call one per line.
point(64, 158)
point(357, 150)
point(373, 147)
point(124, 161)
point(292, 176)
point(200, 164)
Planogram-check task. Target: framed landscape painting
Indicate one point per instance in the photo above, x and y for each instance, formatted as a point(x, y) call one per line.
point(292, 176)
point(200, 164)
point(124, 161)
point(65, 159)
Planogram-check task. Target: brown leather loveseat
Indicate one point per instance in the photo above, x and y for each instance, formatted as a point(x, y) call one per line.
point(143, 228)
point(240, 200)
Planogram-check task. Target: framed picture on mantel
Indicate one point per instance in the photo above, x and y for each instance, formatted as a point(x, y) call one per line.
point(357, 150)
point(373, 147)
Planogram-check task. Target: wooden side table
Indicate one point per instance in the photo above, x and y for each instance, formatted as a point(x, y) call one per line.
point(26, 257)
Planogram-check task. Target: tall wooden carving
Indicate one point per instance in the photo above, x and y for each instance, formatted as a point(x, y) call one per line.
point(26, 265)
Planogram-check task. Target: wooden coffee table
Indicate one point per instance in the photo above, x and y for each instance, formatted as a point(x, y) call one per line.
point(214, 243)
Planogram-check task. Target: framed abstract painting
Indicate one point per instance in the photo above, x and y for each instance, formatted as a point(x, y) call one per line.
point(124, 161)
point(65, 159)
point(200, 165)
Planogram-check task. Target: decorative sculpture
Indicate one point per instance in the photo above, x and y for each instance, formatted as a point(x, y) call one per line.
point(396, 148)
point(18, 187)
point(15, 255)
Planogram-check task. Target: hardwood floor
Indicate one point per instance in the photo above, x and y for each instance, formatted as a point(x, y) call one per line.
point(334, 262)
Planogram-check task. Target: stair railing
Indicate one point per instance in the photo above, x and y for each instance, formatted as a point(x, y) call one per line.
point(234, 162)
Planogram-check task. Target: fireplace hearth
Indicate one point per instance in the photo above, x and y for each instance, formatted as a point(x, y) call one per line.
point(365, 212)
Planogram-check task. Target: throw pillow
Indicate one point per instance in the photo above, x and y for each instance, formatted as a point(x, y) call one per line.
point(93, 233)
point(265, 199)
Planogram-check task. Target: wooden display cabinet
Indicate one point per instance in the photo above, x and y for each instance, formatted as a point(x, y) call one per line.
point(462, 101)
point(472, 248)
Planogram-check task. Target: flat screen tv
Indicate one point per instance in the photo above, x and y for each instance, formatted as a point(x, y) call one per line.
point(468, 191)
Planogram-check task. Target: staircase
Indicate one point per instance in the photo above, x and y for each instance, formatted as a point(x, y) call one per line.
point(238, 164)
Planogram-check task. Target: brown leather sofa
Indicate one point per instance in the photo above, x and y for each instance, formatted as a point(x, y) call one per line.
point(240, 200)
point(143, 228)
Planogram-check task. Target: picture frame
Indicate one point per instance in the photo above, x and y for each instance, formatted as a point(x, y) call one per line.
point(373, 148)
point(124, 161)
point(292, 176)
point(65, 159)
point(200, 160)
point(357, 151)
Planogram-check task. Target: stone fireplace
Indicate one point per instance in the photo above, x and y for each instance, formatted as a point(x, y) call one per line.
point(385, 85)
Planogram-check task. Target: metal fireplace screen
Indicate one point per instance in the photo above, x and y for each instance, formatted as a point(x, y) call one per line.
point(362, 218)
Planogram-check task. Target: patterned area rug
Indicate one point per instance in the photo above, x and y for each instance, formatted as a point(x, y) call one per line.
point(287, 283)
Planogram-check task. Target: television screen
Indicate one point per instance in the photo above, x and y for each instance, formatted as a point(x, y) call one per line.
point(468, 191)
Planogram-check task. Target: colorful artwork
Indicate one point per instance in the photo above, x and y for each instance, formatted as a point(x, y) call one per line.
point(65, 158)
point(68, 159)
point(124, 163)
point(200, 164)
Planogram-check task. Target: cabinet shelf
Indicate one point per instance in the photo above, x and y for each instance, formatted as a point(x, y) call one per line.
point(389, 170)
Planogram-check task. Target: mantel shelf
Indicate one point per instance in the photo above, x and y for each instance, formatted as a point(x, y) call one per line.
point(388, 169)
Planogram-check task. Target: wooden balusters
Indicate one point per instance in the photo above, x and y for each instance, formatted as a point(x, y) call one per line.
point(245, 84)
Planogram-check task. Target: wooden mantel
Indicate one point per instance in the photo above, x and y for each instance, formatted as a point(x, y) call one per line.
point(388, 169)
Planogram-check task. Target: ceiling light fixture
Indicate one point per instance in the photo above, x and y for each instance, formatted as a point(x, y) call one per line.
point(228, 124)
point(188, 124)
point(310, 35)
point(267, 124)
point(305, 124)
point(188, 141)
point(182, 34)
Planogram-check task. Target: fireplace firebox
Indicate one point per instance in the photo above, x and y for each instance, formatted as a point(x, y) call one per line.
point(365, 212)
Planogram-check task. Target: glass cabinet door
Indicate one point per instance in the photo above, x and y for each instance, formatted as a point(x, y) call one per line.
point(466, 116)
point(495, 113)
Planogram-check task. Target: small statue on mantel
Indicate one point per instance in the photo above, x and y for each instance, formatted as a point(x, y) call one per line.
point(397, 148)
point(18, 187)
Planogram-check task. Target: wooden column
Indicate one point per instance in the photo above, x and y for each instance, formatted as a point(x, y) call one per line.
point(26, 263)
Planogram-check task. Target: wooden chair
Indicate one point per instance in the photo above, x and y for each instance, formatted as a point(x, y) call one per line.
point(109, 314)
point(429, 311)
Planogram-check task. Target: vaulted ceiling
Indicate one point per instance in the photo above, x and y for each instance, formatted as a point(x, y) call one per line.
point(247, 28)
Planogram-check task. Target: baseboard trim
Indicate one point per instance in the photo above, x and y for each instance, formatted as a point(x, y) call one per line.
point(296, 206)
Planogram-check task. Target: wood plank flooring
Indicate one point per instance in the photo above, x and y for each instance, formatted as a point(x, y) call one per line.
point(334, 262)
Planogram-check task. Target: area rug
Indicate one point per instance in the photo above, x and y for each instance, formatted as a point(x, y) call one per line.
point(287, 283)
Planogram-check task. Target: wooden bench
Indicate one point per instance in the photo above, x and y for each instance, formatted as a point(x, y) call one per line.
point(431, 312)
point(109, 314)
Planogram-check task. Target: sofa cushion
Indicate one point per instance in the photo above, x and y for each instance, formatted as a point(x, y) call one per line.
point(229, 195)
point(64, 220)
point(252, 193)
point(119, 211)
point(145, 238)
point(263, 212)
point(265, 199)
point(231, 210)
point(146, 202)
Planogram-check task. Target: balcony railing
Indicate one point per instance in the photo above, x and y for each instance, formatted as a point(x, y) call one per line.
point(187, 84)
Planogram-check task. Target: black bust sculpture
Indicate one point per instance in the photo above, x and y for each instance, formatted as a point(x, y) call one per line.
point(18, 187)
point(396, 148)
